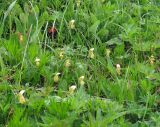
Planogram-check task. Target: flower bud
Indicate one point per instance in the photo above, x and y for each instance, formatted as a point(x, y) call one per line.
point(108, 51)
point(118, 69)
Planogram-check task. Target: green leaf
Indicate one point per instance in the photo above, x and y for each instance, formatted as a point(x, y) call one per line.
point(94, 27)
point(113, 41)
point(146, 46)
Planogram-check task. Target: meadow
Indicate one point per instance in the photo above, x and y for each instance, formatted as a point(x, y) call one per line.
point(80, 63)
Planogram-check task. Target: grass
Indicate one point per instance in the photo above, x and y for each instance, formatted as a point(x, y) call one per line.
point(101, 69)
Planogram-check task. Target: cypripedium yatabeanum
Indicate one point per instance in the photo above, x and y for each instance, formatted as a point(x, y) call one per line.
point(91, 53)
point(56, 77)
point(81, 80)
point(72, 89)
point(37, 61)
point(71, 24)
point(21, 98)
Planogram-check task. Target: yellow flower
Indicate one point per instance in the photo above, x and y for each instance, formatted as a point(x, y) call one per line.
point(118, 69)
point(37, 61)
point(56, 77)
point(78, 2)
point(21, 98)
point(151, 59)
point(67, 63)
point(72, 89)
point(71, 24)
point(108, 51)
point(91, 53)
point(81, 80)
point(20, 37)
point(61, 54)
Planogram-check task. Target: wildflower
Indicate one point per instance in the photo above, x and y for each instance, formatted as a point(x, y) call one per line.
point(20, 37)
point(37, 61)
point(71, 24)
point(21, 98)
point(56, 77)
point(81, 80)
point(108, 51)
point(151, 59)
point(52, 32)
point(118, 69)
point(78, 2)
point(61, 54)
point(72, 89)
point(67, 63)
point(91, 54)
